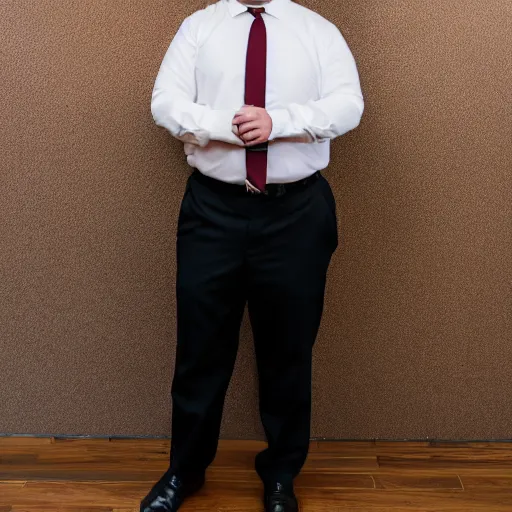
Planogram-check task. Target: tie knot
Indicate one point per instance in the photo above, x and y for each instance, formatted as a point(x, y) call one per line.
point(256, 11)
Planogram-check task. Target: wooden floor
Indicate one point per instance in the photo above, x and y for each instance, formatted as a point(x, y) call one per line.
point(102, 475)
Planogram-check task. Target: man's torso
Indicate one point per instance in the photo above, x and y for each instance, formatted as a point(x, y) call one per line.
point(294, 47)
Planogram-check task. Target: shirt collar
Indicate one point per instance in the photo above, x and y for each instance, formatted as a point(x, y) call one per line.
point(276, 8)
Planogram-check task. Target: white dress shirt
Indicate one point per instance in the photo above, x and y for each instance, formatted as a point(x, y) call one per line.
point(313, 92)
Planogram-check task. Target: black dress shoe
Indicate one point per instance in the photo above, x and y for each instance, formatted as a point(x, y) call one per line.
point(168, 493)
point(279, 498)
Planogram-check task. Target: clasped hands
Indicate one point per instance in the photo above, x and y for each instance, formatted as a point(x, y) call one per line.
point(252, 125)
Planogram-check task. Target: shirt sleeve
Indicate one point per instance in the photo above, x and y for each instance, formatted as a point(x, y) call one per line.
point(340, 106)
point(174, 94)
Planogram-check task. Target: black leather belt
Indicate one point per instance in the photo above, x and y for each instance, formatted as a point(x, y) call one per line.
point(258, 147)
point(272, 189)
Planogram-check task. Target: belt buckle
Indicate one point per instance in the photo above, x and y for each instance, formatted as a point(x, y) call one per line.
point(281, 190)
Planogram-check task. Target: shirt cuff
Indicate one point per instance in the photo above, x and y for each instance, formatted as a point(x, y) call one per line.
point(280, 118)
point(219, 126)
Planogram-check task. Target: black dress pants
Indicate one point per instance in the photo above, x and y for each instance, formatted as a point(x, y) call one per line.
point(271, 253)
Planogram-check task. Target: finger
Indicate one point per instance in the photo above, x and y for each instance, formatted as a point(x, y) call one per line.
point(255, 142)
point(238, 119)
point(234, 129)
point(247, 127)
point(247, 109)
point(243, 108)
point(252, 135)
point(243, 117)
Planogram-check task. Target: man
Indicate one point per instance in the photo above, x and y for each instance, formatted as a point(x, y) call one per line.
point(255, 90)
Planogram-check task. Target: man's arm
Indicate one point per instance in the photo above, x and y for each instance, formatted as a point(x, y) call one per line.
point(340, 106)
point(173, 99)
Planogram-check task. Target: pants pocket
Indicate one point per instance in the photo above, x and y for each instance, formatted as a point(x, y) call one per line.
point(185, 216)
point(330, 203)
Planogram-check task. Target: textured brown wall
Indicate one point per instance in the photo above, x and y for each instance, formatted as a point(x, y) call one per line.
point(416, 339)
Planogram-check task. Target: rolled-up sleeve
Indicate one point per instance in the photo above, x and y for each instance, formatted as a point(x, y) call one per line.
point(174, 94)
point(340, 106)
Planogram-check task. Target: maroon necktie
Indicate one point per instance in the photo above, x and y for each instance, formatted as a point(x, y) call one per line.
point(255, 87)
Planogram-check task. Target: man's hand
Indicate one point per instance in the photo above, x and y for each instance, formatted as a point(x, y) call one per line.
point(252, 124)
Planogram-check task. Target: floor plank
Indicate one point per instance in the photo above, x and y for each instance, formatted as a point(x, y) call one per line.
point(112, 475)
point(404, 482)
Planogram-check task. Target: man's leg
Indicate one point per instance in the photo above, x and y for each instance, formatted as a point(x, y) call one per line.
point(211, 296)
point(290, 250)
